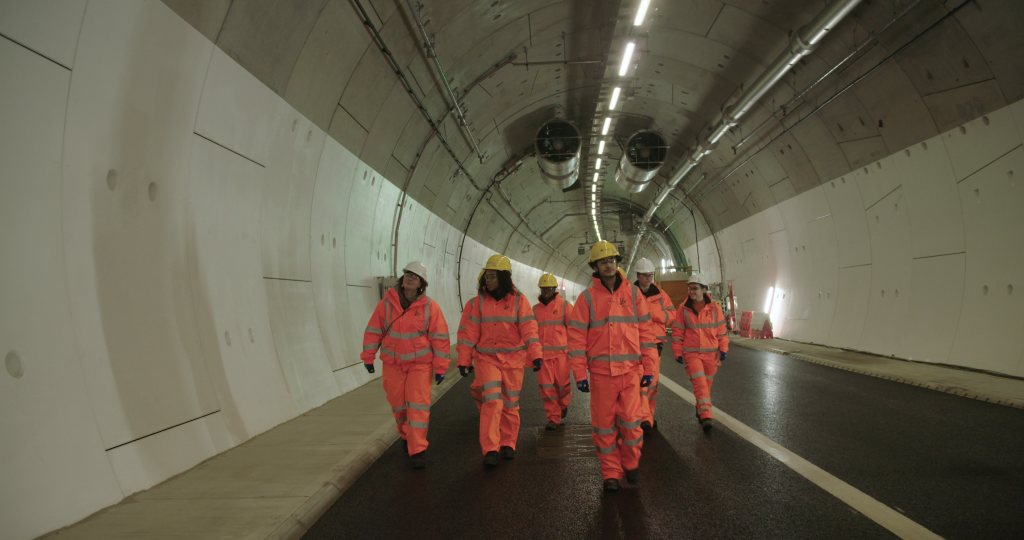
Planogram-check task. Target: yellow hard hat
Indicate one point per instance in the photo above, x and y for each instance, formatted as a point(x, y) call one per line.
point(498, 262)
point(547, 280)
point(603, 250)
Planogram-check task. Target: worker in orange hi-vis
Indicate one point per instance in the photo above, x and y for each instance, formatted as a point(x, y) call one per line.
point(611, 335)
point(663, 314)
point(700, 341)
point(412, 335)
point(552, 319)
point(500, 335)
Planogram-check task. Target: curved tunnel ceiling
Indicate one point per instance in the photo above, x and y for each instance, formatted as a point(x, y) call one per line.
point(955, 61)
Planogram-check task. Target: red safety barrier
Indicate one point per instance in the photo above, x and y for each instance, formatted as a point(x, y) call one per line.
point(745, 317)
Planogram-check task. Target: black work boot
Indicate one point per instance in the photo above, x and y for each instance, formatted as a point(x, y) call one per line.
point(551, 426)
point(655, 424)
point(565, 411)
point(645, 425)
point(491, 459)
point(611, 484)
point(706, 425)
point(507, 452)
point(633, 477)
point(418, 461)
point(405, 446)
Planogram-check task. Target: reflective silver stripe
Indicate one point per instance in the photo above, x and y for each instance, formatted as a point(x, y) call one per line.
point(501, 349)
point(721, 335)
point(410, 335)
point(510, 404)
point(555, 348)
point(552, 398)
point(623, 319)
point(567, 392)
point(467, 343)
point(679, 326)
point(371, 347)
point(705, 400)
point(462, 328)
point(576, 353)
point(688, 349)
point(616, 358)
point(417, 406)
point(549, 386)
point(711, 378)
point(426, 317)
point(643, 391)
point(577, 324)
point(400, 421)
point(634, 442)
point(696, 375)
point(703, 325)
point(628, 425)
point(590, 304)
point(644, 318)
point(398, 409)
point(550, 323)
point(385, 350)
point(415, 355)
point(670, 308)
point(474, 319)
point(661, 302)
point(441, 354)
point(602, 431)
point(372, 330)
point(645, 345)
point(706, 405)
point(653, 386)
point(498, 319)
point(437, 335)
point(511, 393)
point(488, 385)
point(608, 450)
point(652, 399)
point(490, 397)
point(532, 340)
point(663, 338)
point(417, 424)
point(529, 318)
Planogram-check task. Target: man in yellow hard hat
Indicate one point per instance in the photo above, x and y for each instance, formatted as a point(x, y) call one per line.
point(611, 336)
point(552, 320)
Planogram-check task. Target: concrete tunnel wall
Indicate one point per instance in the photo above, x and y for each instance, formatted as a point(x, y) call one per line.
point(916, 255)
point(187, 260)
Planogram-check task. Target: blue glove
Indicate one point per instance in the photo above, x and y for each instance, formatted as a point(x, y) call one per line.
point(438, 377)
point(536, 365)
point(721, 355)
point(583, 385)
point(679, 359)
point(369, 368)
point(465, 370)
point(646, 381)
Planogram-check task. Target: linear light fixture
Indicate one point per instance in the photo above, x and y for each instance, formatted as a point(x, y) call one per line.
point(598, 164)
point(600, 148)
point(625, 58)
point(641, 12)
point(595, 177)
point(607, 124)
point(615, 99)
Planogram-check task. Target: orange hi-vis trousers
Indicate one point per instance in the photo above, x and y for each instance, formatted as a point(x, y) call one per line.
point(615, 422)
point(701, 367)
point(407, 387)
point(649, 395)
point(555, 388)
point(496, 389)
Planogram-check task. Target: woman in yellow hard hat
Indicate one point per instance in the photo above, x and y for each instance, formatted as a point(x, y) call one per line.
point(552, 320)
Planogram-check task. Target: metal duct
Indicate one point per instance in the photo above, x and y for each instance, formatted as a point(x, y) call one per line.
point(558, 153)
point(644, 155)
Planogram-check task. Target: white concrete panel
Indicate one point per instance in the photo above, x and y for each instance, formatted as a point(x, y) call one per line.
point(288, 197)
point(49, 28)
point(781, 258)
point(876, 180)
point(355, 375)
point(149, 461)
point(327, 253)
point(847, 208)
point(224, 194)
point(981, 141)
point(129, 283)
point(237, 111)
point(824, 278)
point(382, 232)
point(851, 307)
point(362, 207)
point(890, 275)
point(991, 331)
point(52, 449)
point(936, 297)
point(299, 345)
point(933, 201)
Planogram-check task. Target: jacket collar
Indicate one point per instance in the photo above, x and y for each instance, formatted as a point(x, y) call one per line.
point(557, 297)
point(619, 280)
point(653, 290)
point(394, 294)
point(689, 301)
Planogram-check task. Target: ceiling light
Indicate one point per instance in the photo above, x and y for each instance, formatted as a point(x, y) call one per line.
point(641, 12)
point(593, 195)
point(615, 99)
point(600, 148)
point(607, 124)
point(598, 165)
point(595, 177)
point(625, 59)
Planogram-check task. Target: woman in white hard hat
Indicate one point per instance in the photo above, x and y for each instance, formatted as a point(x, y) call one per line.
point(699, 340)
point(412, 335)
point(662, 314)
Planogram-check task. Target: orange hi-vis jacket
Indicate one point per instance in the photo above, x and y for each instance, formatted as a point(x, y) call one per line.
point(611, 333)
point(662, 312)
point(504, 330)
point(418, 334)
point(552, 321)
point(699, 333)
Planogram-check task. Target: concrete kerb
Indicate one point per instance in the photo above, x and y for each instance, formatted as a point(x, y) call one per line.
point(957, 391)
point(347, 471)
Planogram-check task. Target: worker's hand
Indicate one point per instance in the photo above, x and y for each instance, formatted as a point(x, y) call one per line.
point(721, 356)
point(369, 368)
point(536, 365)
point(679, 359)
point(583, 385)
point(646, 381)
point(465, 370)
point(438, 377)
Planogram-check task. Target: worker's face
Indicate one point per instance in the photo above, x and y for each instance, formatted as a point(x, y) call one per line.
point(645, 279)
point(607, 267)
point(696, 292)
point(410, 282)
point(491, 280)
point(547, 293)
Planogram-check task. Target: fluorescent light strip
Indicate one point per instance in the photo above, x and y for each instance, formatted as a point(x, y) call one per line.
point(598, 165)
point(626, 58)
point(615, 99)
point(641, 12)
point(607, 124)
point(600, 148)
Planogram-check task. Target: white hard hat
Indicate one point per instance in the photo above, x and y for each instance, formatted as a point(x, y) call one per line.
point(697, 277)
point(644, 266)
point(417, 268)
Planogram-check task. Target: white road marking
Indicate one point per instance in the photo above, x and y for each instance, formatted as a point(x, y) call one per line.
point(892, 520)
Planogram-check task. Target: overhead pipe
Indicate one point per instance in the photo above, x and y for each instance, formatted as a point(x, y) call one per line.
point(801, 43)
point(429, 46)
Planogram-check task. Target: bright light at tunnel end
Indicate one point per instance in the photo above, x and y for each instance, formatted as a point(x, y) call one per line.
point(768, 302)
point(625, 58)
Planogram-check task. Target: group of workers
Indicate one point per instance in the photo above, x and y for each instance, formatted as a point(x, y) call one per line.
point(611, 340)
